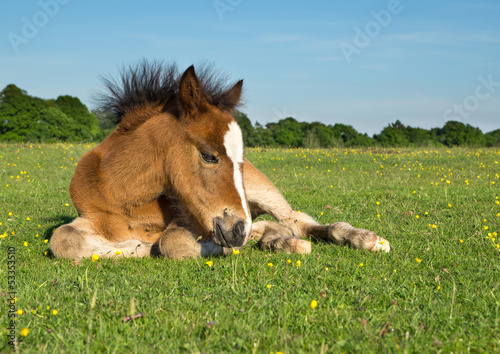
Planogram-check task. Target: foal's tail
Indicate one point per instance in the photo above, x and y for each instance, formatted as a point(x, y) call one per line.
point(78, 240)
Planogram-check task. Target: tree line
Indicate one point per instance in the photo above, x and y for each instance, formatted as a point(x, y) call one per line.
point(291, 133)
point(26, 118)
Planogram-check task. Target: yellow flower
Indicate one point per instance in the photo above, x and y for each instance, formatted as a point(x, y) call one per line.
point(298, 263)
point(378, 203)
point(95, 257)
point(270, 264)
point(313, 304)
point(24, 332)
point(461, 241)
point(485, 227)
point(235, 251)
point(19, 312)
point(28, 218)
point(118, 252)
point(361, 264)
point(418, 260)
point(66, 204)
point(268, 286)
point(416, 216)
point(382, 242)
point(46, 240)
point(54, 312)
point(449, 205)
point(209, 263)
point(438, 288)
point(25, 244)
point(289, 261)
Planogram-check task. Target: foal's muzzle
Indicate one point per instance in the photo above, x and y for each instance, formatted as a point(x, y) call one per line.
point(229, 234)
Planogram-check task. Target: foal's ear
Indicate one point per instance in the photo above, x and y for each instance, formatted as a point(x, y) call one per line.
point(189, 91)
point(232, 96)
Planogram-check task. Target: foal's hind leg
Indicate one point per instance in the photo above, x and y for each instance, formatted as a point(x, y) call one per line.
point(263, 197)
point(79, 240)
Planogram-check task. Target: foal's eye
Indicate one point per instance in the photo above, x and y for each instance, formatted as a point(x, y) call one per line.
point(208, 158)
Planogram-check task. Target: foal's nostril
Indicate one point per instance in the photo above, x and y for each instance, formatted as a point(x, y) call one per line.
point(239, 230)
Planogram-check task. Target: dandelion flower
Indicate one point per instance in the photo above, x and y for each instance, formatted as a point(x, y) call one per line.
point(438, 288)
point(28, 218)
point(268, 286)
point(289, 261)
point(118, 252)
point(361, 264)
point(209, 263)
point(270, 264)
point(25, 244)
point(54, 312)
point(235, 251)
point(19, 312)
point(313, 304)
point(24, 332)
point(95, 257)
point(461, 241)
point(418, 260)
point(298, 263)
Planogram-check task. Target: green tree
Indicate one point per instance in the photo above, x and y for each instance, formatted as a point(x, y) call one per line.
point(87, 125)
point(394, 134)
point(287, 132)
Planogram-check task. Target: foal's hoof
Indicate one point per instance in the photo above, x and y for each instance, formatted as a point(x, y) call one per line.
point(301, 246)
point(381, 244)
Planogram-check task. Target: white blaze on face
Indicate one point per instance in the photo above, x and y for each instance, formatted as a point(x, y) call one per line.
point(233, 142)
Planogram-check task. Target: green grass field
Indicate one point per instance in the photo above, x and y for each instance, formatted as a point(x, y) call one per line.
point(437, 291)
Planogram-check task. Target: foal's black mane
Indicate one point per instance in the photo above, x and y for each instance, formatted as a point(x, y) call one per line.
point(157, 82)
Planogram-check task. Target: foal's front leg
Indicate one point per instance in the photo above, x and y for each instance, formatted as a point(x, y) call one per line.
point(264, 198)
point(276, 237)
point(179, 243)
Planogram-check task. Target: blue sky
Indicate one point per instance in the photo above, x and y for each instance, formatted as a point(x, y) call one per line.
point(362, 63)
